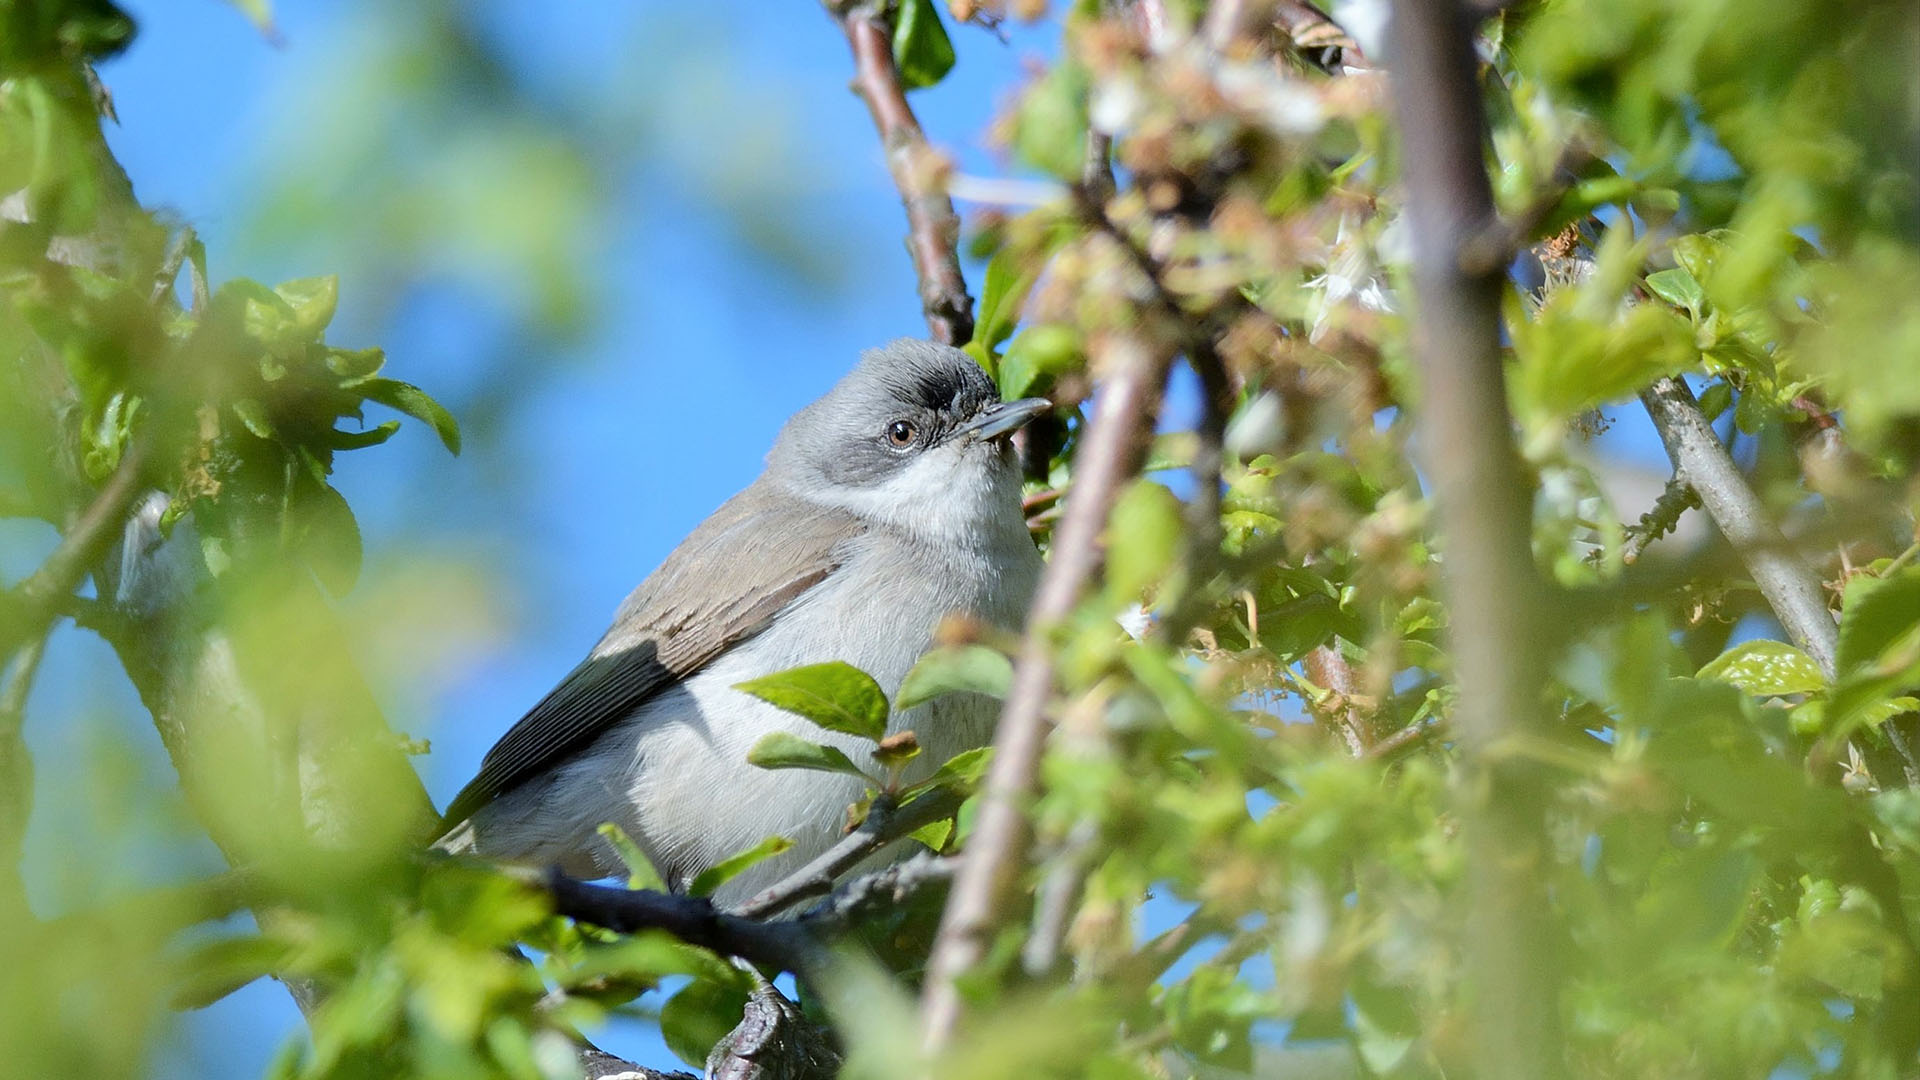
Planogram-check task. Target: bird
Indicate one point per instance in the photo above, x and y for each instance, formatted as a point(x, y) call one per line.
point(887, 505)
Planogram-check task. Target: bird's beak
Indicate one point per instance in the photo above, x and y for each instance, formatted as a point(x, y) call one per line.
point(1002, 419)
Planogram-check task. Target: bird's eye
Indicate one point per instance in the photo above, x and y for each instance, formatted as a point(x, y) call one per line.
point(901, 433)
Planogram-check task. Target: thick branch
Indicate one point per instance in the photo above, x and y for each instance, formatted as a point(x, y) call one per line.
point(933, 229)
point(1792, 589)
point(983, 891)
point(1482, 503)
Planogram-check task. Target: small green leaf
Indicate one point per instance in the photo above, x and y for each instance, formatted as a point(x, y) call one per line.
point(410, 399)
point(355, 364)
point(921, 50)
point(694, 1020)
point(1766, 667)
point(1143, 540)
point(733, 865)
point(640, 871)
point(1006, 288)
point(253, 416)
point(1050, 123)
point(1677, 287)
point(1880, 625)
point(1038, 357)
point(782, 750)
point(360, 440)
point(935, 835)
point(835, 695)
point(955, 669)
point(962, 772)
point(311, 303)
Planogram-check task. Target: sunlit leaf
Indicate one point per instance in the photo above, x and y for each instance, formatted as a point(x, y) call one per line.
point(835, 695)
point(1763, 666)
point(733, 865)
point(955, 669)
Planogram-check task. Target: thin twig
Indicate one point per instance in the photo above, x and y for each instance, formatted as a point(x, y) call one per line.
point(1411, 735)
point(884, 824)
point(1675, 500)
point(933, 229)
point(1482, 503)
point(35, 601)
point(1792, 589)
point(1114, 447)
point(16, 775)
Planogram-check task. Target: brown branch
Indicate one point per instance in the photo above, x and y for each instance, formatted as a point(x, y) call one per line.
point(1411, 735)
point(983, 891)
point(1329, 671)
point(1482, 506)
point(933, 229)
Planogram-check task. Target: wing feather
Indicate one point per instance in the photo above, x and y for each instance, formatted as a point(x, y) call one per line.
point(758, 553)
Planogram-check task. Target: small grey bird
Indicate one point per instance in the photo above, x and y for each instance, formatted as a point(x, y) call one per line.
point(886, 505)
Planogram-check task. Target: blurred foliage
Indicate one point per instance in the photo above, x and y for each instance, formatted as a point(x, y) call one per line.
point(1254, 713)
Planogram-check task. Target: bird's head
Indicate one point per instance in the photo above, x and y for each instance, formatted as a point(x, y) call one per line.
point(916, 435)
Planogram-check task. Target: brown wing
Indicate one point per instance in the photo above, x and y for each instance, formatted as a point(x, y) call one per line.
point(755, 555)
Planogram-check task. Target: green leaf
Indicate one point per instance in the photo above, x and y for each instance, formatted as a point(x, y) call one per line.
point(1050, 123)
point(1143, 540)
point(955, 669)
point(640, 871)
point(253, 416)
point(1880, 625)
point(921, 50)
point(733, 865)
point(694, 1020)
point(311, 302)
point(1766, 667)
point(360, 440)
point(961, 772)
point(1038, 357)
point(783, 750)
point(1677, 287)
point(355, 364)
point(835, 695)
point(328, 537)
point(1006, 289)
point(410, 399)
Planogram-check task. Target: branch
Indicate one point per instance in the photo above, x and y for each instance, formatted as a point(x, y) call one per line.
point(884, 824)
point(997, 851)
point(796, 945)
point(788, 946)
point(16, 777)
point(1329, 671)
point(35, 601)
point(933, 229)
point(1482, 504)
point(1675, 500)
point(1792, 589)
